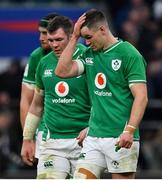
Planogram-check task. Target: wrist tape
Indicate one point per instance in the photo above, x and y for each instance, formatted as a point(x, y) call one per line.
point(129, 129)
point(31, 124)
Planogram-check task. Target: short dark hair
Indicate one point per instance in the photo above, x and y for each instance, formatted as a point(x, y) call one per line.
point(46, 19)
point(60, 22)
point(94, 17)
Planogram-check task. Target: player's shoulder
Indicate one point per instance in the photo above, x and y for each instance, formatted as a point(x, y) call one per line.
point(128, 48)
point(38, 51)
point(129, 52)
point(47, 57)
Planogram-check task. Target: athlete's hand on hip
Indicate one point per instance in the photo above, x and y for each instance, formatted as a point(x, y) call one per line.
point(125, 140)
point(28, 152)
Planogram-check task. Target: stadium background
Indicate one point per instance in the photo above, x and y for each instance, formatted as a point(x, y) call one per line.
point(137, 21)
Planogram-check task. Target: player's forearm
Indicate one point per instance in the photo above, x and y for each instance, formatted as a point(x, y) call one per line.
point(24, 108)
point(23, 112)
point(25, 102)
point(34, 115)
point(32, 120)
point(36, 107)
point(138, 109)
point(31, 124)
point(65, 63)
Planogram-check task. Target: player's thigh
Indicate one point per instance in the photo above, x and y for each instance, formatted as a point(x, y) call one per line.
point(122, 161)
point(91, 162)
point(88, 171)
point(53, 167)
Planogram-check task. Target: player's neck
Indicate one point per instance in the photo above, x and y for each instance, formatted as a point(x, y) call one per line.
point(109, 41)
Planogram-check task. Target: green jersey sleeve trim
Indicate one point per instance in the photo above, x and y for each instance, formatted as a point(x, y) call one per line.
point(28, 85)
point(28, 81)
point(137, 81)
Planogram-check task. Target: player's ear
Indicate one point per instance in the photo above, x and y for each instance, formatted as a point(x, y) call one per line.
point(102, 28)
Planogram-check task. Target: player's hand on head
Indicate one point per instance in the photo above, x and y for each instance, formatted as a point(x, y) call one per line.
point(78, 25)
point(28, 152)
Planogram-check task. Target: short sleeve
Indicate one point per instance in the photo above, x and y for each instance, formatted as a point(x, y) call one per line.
point(30, 70)
point(135, 69)
point(39, 72)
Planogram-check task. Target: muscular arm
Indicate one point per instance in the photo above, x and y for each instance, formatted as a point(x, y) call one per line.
point(27, 93)
point(34, 115)
point(139, 92)
point(66, 67)
point(36, 107)
point(31, 123)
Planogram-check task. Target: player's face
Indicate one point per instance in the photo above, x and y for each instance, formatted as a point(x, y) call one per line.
point(92, 38)
point(43, 38)
point(58, 40)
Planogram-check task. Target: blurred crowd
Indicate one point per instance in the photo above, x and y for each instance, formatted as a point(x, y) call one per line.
point(137, 21)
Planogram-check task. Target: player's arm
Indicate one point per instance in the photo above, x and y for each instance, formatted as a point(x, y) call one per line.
point(31, 123)
point(27, 93)
point(27, 88)
point(139, 91)
point(66, 67)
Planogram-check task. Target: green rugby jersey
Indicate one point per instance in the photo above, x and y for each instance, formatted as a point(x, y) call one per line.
point(109, 74)
point(30, 70)
point(66, 101)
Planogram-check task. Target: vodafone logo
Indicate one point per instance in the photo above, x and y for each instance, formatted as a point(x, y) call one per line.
point(100, 80)
point(62, 89)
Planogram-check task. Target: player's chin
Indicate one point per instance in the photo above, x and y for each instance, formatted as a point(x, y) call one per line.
point(45, 46)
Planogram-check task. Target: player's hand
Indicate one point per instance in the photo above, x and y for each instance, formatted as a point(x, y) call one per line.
point(28, 152)
point(82, 136)
point(78, 25)
point(125, 140)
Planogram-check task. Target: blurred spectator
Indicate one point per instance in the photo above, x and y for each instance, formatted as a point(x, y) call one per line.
point(8, 158)
point(155, 70)
point(11, 80)
point(139, 29)
point(123, 12)
point(157, 9)
point(5, 99)
point(129, 32)
point(148, 32)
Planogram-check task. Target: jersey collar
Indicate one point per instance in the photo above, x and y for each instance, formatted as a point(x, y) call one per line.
point(112, 47)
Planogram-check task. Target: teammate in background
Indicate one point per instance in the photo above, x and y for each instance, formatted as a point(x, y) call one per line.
point(28, 82)
point(66, 109)
point(116, 78)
